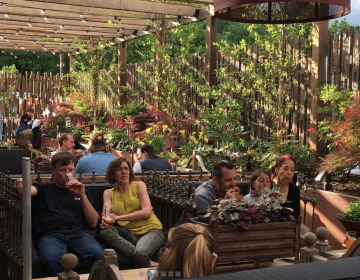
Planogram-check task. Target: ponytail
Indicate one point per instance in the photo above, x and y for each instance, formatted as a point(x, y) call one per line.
point(197, 258)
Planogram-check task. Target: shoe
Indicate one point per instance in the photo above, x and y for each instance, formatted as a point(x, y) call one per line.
point(15, 132)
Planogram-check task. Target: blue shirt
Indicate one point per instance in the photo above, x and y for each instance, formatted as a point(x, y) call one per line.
point(98, 162)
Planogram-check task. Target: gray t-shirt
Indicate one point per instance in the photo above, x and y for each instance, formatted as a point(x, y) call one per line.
point(204, 194)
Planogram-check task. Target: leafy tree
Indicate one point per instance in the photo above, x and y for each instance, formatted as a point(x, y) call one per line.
point(337, 26)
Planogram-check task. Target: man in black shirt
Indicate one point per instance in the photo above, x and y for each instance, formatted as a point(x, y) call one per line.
point(61, 213)
point(24, 119)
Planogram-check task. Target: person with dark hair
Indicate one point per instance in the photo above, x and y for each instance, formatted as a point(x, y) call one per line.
point(283, 172)
point(137, 232)
point(220, 186)
point(62, 212)
point(97, 161)
point(66, 142)
point(23, 120)
point(148, 161)
point(260, 179)
point(189, 252)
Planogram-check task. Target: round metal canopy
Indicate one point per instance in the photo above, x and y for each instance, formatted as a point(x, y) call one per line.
point(285, 11)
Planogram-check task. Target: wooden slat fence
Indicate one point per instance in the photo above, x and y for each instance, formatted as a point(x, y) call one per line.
point(185, 76)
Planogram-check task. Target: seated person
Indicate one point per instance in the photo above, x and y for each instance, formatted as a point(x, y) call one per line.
point(23, 120)
point(224, 176)
point(3, 129)
point(62, 212)
point(95, 136)
point(97, 161)
point(260, 179)
point(190, 251)
point(66, 142)
point(148, 161)
point(137, 232)
point(283, 172)
point(36, 125)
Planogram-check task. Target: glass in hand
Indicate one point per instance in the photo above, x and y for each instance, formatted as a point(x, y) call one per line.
point(109, 215)
point(68, 178)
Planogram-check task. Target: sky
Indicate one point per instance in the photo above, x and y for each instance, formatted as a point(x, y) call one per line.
point(353, 18)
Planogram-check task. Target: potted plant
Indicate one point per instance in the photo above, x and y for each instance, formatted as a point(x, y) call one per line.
point(350, 218)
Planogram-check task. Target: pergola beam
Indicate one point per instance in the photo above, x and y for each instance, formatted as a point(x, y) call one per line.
point(109, 6)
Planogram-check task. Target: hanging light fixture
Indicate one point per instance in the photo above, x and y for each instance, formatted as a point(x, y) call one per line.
point(284, 11)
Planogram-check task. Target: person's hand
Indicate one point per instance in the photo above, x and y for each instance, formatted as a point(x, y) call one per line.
point(78, 187)
point(230, 193)
point(103, 224)
point(19, 186)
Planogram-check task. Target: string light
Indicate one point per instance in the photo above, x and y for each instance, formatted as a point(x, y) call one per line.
point(46, 18)
point(81, 15)
point(7, 40)
point(43, 11)
point(84, 20)
point(17, 32)
point(33, 52)
point(45, 49)
point(29, 24)
point(15, 56)
point(34, 42)
point(15, 46)
point(1, 37)
point(55, 31)
point(47, 34)
point(4, 4)
point(6, 15)
point(75, 36)
point(62, 26)
point(22, 48)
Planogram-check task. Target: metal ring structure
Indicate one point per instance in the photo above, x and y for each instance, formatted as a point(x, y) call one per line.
point(280, 12)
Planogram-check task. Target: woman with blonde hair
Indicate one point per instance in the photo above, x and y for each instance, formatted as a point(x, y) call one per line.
point(190, 250)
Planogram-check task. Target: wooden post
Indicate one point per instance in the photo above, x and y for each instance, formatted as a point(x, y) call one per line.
point(320, 40)
point(160, 45)
point(122, 98)
point(211, 50)
point(62, 65)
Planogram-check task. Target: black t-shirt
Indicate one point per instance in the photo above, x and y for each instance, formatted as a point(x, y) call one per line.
point(57, 210)
point(25, 118)
point(294, 199)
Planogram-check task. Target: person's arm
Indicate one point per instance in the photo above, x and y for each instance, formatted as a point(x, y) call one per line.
point(145, 205)
point(19, 185)
point(137, 167)
point(90, 215)
point(202, 203)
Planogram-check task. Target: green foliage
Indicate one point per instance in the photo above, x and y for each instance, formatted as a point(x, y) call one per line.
point(337, 26)
point(335, 104)
point(116, 135)
point(10, 69)
point(130, 110)
point(279, 146)
point(351, 213)
point(27, 61)
point(78, 132)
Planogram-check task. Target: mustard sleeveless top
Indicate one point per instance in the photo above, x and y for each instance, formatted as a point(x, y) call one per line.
point(129, 203)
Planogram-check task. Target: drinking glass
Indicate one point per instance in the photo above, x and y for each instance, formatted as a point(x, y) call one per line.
point(109, 215)
point(350, 238)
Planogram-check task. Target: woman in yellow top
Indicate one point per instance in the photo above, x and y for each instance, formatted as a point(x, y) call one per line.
point(137, 232)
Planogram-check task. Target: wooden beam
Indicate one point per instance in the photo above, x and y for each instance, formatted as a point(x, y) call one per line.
point(205, 2)
point(210, 60)
point(320, 42)
point(101, 7)
point(160, 44)
point(122, 73)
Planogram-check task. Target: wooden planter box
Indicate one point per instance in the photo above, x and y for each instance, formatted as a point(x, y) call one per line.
point(264, 241)
point(44, 169)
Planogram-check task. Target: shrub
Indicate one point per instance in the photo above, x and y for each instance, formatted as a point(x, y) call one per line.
point(351, 213)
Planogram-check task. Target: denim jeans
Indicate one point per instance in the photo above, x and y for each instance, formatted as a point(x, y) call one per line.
point(23, 126)
point(52, 247)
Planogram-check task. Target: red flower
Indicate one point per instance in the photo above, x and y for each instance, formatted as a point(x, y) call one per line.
point(74, 119)
point(111, 121)
point(88, 128)
point(78, 121)
point(170, 160)
point(122, 123)
point(72, 125)
point(116, 118)
point(81, 121)
point(110, 125)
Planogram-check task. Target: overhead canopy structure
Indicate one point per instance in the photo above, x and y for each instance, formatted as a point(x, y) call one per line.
point(63, 25)
point(280, 11)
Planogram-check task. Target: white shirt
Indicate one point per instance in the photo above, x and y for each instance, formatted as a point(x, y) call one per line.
point(36, 123)
point(137, 167)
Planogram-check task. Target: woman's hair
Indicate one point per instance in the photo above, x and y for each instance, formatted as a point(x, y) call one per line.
point(93, 137)
point(256, 174)
point(115, 163)
point(189, 250)
point(280, 162)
